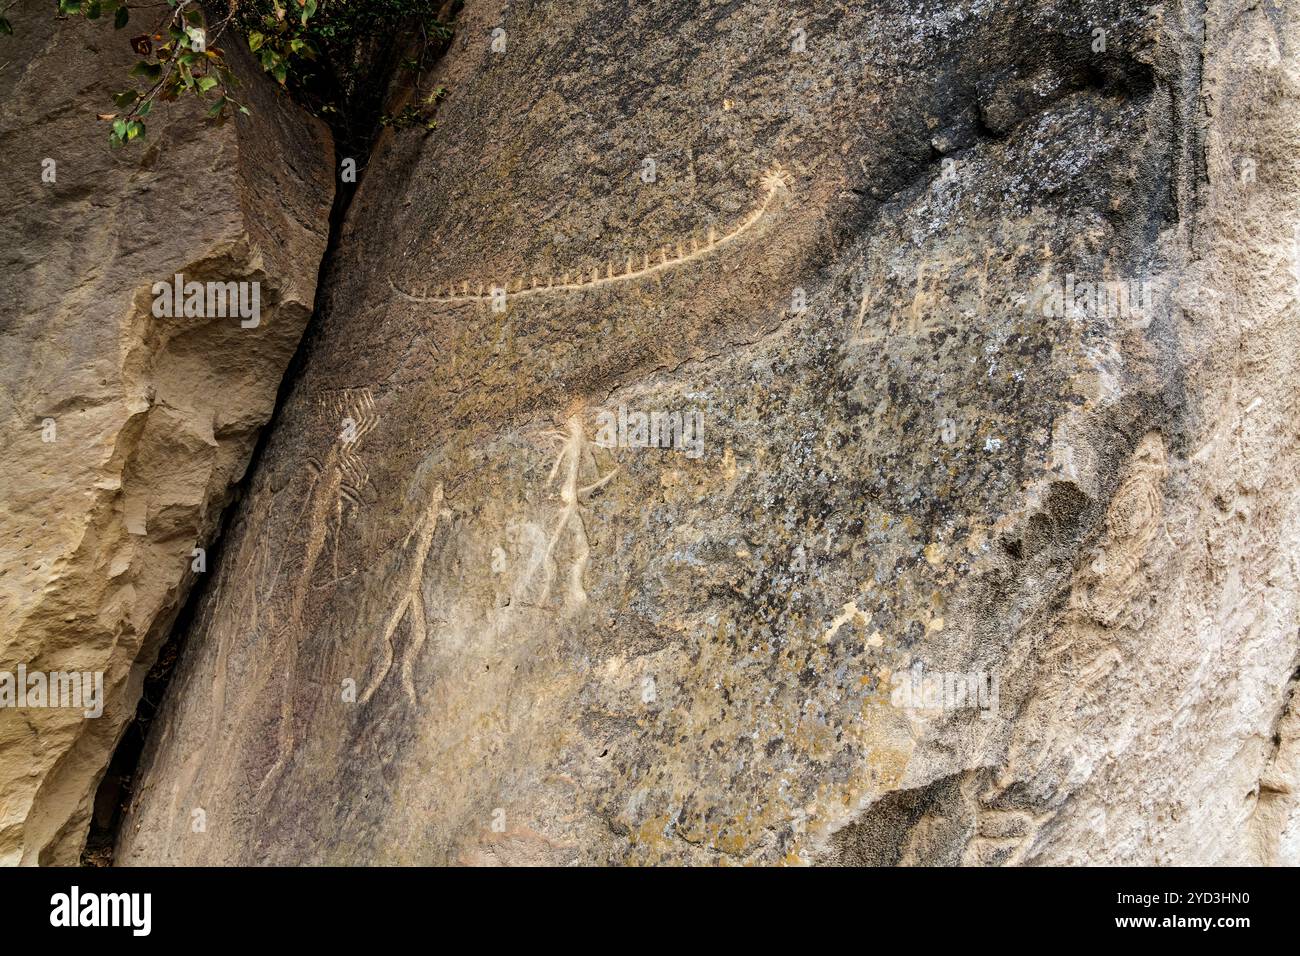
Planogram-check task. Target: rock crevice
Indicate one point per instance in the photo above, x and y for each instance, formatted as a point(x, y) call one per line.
point(125, 430)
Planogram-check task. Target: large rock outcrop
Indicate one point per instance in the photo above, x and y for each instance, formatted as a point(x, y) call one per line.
point(988, 314)
point(123, 433)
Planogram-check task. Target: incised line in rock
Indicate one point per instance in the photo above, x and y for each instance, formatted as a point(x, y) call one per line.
point(356, 412)
point(410, 604)
point(775, 185)
point(339, 479)
point(570, 461)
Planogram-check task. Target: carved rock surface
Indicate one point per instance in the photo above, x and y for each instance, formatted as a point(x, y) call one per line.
point(122, 433)
point(451, 625)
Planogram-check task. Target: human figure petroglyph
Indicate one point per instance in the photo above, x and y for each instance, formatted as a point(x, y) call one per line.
point(410, 605)
point(568, 468)
point(776, 189)
point(335, 485)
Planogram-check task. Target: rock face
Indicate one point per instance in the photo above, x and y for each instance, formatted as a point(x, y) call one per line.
point(124, 432)
point(977, 540)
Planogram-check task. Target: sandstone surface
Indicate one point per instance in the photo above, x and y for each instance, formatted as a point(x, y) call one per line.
point(452, 625)
point(123, 433)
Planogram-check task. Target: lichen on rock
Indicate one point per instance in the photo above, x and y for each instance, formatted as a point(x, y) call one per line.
point(929, 501)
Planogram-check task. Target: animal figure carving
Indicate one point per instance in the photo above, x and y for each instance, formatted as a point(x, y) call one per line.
point(775, 187)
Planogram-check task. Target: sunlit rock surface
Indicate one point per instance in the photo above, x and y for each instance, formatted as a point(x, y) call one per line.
point(979, 544)
point(122, 433)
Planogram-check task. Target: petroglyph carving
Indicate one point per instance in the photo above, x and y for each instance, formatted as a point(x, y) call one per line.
point(567, 468)
point(339, 480)
point(355, 413)
point(410, 605)
point(336, 483)
point(775, 187)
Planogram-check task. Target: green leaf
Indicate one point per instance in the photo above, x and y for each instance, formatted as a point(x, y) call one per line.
point(150, 71)
point(93, 10)
point(144, 109)
point(206, 83)
point(244, 110)
point(217, 107)
point(126, 98)
point(5, 27)
point(255, 41)
point(119, 128)
point(121, 18)
point(134, 128)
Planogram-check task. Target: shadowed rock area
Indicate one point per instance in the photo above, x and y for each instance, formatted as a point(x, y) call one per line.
point(977, 540)
point(123, 433)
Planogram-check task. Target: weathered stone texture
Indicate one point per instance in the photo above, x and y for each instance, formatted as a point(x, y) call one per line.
point(154, 418)
point(566, 653)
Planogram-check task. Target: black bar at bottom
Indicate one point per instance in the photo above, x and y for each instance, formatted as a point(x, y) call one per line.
point(335, 906)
